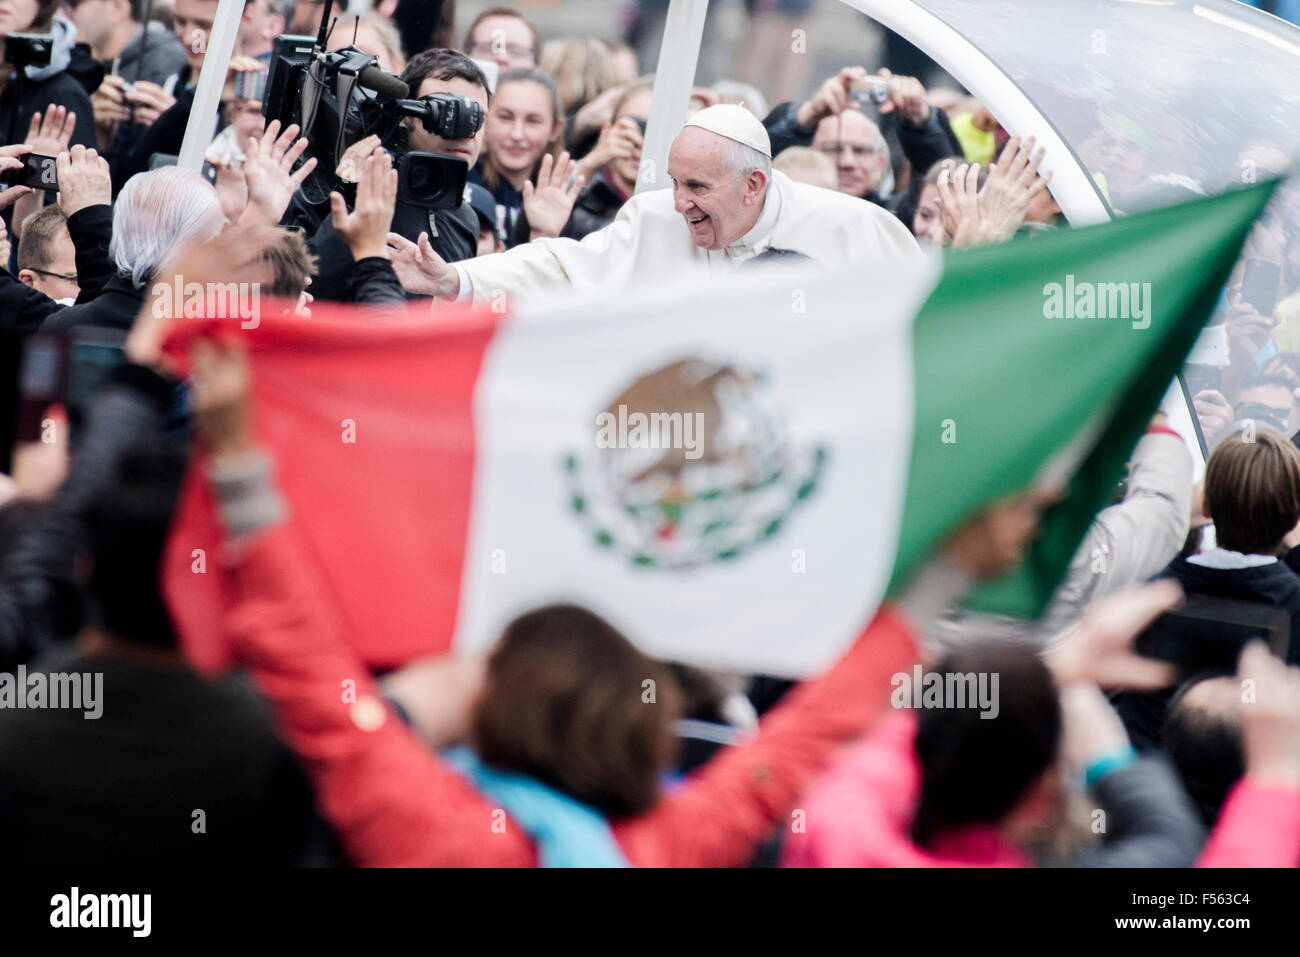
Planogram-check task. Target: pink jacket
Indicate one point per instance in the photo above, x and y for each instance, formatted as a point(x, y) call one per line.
point(860, 813)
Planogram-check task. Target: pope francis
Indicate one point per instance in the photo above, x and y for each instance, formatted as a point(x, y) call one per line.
point(726, 206)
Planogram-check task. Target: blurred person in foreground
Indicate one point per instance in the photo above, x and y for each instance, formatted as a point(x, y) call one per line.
point(578, 769)
point(135, 776)
point(945, 787)
point(725, 207)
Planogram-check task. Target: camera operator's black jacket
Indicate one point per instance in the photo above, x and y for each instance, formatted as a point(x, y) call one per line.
point(454, 237)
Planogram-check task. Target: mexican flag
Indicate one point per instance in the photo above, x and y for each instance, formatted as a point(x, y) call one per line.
point(732, 470)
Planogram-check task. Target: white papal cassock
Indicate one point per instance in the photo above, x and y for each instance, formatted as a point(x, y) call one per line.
point(649, 242)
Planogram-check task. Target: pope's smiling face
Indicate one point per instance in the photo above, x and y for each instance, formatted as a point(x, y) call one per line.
point(718, 208)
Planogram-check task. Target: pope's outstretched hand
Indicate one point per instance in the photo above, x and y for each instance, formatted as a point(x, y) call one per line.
point(420, 269)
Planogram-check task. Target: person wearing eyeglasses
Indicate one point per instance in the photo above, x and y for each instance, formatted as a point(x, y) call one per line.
point(504, 37)
point(47, 260)
point(835, 121)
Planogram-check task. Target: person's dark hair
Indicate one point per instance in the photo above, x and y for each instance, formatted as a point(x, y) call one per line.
point(442, 64)
point(565, 702)
point(1252, 491)
point(126, 530)
point(974, 768)
point(1202, 736)
point(426, 24)
point(45, 11)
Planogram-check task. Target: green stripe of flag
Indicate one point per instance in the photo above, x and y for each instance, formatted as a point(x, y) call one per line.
point(1001, 388)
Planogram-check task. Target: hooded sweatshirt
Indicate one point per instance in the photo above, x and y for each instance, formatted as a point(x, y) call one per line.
point(65, 82)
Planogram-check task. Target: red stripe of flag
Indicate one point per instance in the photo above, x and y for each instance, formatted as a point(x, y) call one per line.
point(384, 517)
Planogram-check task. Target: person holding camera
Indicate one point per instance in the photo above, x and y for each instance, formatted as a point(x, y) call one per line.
point(45, 69)
point(833, 121)
point(611, 168)
point(454, 233)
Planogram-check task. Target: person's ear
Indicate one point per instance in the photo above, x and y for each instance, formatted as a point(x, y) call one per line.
point(27, 277)
point(754, 187)
point(557, 130)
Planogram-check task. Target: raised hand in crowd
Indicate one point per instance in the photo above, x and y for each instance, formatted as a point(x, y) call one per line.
point(269, 172)
point(9, 159)
point(84, 180)
point(365, 228)
point(48, 135)
point(149, 100)
point(621, 140)
point(420, 269)
point(110, 106)
point(354, 158)
point(832, 97)
point(1213, 410)
point(959, 206)
point(548, 204)
point(39, 468)
point(1099, 649)
point(974, 214)
point(231, 188)
point(907, 98)
point(221, 383)
point(1012, 184)
point(1270, 717)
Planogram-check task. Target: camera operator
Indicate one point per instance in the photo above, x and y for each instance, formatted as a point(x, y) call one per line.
point(453, 233)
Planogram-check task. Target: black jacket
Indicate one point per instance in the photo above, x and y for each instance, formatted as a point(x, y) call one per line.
point(165, 136)
point(372, 282)
point(176, 771)
point(454, 236)
point(22, 98)
point(595, 208)
point(1273, 584)
point(23, 309)
point(116, 307)
point(39, 603)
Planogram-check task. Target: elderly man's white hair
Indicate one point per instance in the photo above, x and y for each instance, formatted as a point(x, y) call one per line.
point(743, 160)
point(155, 214)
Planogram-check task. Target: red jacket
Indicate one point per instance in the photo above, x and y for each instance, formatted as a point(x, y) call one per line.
point(394, 803)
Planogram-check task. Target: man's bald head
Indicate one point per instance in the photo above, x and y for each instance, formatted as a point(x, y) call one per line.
point(1202, 736)
point(719, 185)
point(857, 148)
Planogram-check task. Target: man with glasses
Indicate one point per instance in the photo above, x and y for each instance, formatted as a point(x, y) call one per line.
point(504, 37)
point(47, 260)
point(835, 122)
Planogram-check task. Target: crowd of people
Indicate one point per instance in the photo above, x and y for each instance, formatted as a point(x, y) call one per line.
point(542, 751)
